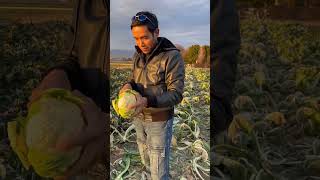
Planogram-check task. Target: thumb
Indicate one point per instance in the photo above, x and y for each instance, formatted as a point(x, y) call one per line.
point(81, 137)
point(95, 125)
point(132, 106)
point(77, 139)
point(79, 94)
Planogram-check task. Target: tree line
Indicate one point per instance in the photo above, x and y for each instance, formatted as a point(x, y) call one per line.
point(197, 55)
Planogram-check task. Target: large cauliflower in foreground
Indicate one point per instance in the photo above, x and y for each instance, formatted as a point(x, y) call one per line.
point(55, 115)
point(122, 102)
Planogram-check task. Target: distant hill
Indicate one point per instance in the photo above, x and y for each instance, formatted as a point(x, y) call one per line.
point(120, 53)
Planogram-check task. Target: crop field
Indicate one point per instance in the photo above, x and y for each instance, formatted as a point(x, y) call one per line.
point(275, 132)
point(275, 129)
point(31, 49)
point(190, 142)
point(39, 11)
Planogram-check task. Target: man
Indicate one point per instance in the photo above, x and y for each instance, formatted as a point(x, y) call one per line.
point(158, 75)
point(226, 43)
point(83, 70)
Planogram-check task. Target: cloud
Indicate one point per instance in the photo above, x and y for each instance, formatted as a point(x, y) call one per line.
point(192, 35)
point(183, 21)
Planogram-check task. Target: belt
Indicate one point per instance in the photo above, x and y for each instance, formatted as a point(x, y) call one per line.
point(158, 116)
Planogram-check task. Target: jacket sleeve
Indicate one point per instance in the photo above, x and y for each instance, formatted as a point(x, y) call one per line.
point(175, 74)
point(225, 33)
point(67, 60)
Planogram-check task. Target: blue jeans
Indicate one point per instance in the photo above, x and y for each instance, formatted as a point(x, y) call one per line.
point(154, 140)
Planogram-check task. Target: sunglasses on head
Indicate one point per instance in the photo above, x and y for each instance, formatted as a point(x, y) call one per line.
point(142, 18)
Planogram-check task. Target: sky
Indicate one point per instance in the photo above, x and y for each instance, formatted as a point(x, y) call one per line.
point(184, 22)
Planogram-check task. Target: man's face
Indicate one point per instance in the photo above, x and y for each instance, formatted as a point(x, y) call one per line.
point(145, 40)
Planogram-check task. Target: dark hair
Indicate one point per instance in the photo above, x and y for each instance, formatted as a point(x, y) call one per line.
point(151, 27)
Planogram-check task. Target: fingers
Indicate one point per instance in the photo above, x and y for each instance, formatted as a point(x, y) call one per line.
point(66, 143)
point(91, 111)
point(96, 125)
point(83, 97)
point(138, 111)
point(88, 157)
point(77, 139)
point(79, 94)
point(139, 103)
point(124, 88)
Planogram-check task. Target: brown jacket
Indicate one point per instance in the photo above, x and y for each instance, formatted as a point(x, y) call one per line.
point(159, 77)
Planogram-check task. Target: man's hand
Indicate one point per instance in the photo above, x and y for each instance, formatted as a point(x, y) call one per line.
point(92, 152)
point(54, 79)
point(125, 87)
point(93, 137)
point(141, 103)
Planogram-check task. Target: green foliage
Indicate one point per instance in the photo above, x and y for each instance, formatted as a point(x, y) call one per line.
point(207, 57)
point(27, 51)
point(289, 42)
point(192, 54)
point(277, 92)
point(190, 130)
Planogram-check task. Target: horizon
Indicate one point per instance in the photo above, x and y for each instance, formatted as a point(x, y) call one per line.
point(179, 27)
